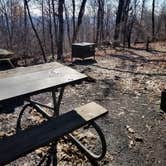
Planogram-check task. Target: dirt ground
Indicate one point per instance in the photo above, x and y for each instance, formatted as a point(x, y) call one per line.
point(128, 83)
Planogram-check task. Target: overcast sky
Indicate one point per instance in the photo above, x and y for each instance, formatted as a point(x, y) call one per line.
point(37, 12)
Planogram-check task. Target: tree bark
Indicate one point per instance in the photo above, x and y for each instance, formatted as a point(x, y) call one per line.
point(43, 25)
point(25, 36)
point(50, 30)
point(142, 11)
point(61, 30)
point(153, 20)
point(55, 23)
point(34, 29)
point(79, 22)
point(68, 25)
point(73, 18)
point(100, 20)
point(118, 19)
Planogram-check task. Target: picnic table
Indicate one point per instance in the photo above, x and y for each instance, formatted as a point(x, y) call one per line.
point(6, 59)
point(18, 85)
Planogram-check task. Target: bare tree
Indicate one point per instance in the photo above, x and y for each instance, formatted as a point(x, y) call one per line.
point(43, 24)
point(73, 18)
point(142, 10)
point(55, 15)
point(61, 30)
point(50, 29)
point(153, 20)
point(80, 16)
point(100, 21)
point(68, 25)
point(118, 21)
point(35, 31)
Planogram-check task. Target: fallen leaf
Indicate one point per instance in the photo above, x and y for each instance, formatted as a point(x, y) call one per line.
point(131, 143)
point(130, 129)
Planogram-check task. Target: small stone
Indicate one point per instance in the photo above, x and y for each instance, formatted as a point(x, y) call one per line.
point(130, 129)
point(2, 134)
point(39, 152)
point(131, 143)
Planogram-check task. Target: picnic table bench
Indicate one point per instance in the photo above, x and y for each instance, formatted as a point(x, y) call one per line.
point(29, 81)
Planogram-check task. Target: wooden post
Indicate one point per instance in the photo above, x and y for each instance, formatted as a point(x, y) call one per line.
point(163, 100)
point(147, 44)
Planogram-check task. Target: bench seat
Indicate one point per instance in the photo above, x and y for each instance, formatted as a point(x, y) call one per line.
point(26, 141)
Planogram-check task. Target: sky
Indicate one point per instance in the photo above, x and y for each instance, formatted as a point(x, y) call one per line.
point(37, 12)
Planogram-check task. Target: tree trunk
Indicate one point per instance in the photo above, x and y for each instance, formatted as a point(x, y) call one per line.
point(68, 25)
point(34, 29)
point(43, 25)
point(73, 18)
point(55, 24)
point(125, 20)
point(61, 30)
point(100, 20)
point(50, 30)
point(8, 30)
point(80, 16)
point(142, 11)
point(153, 20)
point(25, 36)
point(118, 20)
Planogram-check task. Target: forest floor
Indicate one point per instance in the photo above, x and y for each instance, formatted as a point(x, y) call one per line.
point(128, 83)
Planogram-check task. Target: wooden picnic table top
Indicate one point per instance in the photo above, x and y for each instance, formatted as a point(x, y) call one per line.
point(4, 54)
point(27, 80)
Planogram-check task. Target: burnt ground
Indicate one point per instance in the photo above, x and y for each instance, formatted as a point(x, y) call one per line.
point(128, 83)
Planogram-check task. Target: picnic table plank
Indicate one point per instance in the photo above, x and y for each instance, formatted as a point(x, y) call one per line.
point(30, 69)
point(33, 79)
point(90, 111)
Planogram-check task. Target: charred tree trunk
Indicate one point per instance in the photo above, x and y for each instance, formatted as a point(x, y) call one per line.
point(142, 11)
point(118, 21)
point(55, 23)
point(43, 25)
point(147, 44)
point(140, 22)
point(100, 20)
point(68, 25)
point(8, 30)
point(34, 29)
point(50, 30)
point(153, 20)
point(25, 36)
point(61, 30)
point(73, 18)
point(124, 20)
point(80, 16)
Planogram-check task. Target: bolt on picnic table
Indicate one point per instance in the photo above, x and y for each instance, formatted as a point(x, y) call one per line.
point(29, 81)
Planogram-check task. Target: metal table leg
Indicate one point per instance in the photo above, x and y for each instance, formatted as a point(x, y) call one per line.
point(56, 105)
point(92, 156)
point(51, 156)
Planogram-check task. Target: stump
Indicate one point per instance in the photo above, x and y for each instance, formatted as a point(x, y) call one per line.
point(163, 100)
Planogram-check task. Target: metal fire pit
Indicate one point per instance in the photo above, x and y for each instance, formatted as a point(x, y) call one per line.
point(83, 50)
